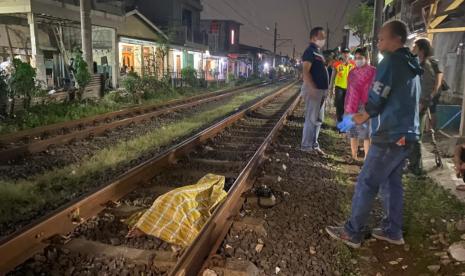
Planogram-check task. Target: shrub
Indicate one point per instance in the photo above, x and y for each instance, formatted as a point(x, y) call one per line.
point(82, 75)
point(22, 82)
point(118, 96)
point(231, 77)
point(133, 85)
point(189, 75)
point(152, 87)
point(3, 94)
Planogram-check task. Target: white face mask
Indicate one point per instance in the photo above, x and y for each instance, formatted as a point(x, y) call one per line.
point(360, 62)
point(320, 43)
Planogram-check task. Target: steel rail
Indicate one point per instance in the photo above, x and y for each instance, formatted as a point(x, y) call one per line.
point(15, 152)
point(193, 261)
point(24, 243)
point(34, 132)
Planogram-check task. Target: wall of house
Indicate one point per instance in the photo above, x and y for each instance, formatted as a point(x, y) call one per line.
point(158, 11)
point(15, 6)
point(134, 27)
point(446, 47)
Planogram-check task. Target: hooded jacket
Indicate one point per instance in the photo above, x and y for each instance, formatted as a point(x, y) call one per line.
point(393, 98)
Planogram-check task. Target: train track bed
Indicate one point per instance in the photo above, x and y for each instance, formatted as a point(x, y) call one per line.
point(68, 182)
point(16, 146)
point(286, 236)
point(60, 155)
point(225, 154)
point(44, 132)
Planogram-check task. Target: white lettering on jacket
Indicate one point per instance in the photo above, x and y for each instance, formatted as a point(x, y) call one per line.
point(381, 89)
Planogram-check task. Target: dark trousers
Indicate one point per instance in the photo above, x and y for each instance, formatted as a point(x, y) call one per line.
point(415, 159)
point(381, 174)
point(339, 99)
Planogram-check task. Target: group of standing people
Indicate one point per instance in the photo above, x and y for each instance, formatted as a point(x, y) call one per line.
point(350, 79)
point(384, 107)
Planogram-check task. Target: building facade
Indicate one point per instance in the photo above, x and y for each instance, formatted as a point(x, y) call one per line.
point(443, 22)
point(47, 33)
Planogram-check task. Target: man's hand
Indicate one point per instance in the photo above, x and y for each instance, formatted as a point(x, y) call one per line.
point(360, 118)
point(346, 124)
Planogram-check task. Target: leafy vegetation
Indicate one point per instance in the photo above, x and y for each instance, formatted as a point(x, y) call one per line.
point(82, 75)
point(22, 82)
point(154, 92)
point(361, 23)
point(25, 198)
point(426, 202)
point(132, 84)
point(3, 94)
point(189, 75)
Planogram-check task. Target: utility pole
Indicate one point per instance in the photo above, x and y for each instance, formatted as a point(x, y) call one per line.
point(460, 58)
point(86, 34)
point(293, 53)
point(377, 23)
point(274, 43)
point(327, 36)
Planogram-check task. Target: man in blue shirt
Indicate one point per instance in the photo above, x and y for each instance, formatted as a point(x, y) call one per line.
point(314, 90)
point(393, 107)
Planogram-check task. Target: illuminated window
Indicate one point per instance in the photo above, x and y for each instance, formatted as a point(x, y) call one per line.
point(232, 37)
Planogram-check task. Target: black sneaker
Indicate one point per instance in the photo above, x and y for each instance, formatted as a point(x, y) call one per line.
point(338, 233)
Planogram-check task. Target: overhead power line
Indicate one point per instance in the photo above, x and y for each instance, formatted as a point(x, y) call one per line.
point(309, 12)
point(246, 19)
point(343, 15)
point(304, 13)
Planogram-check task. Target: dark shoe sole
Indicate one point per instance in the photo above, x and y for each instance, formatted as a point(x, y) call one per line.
point(348, 243)
point(383, 238)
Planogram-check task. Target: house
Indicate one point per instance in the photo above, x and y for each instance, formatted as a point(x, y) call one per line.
point(444, 25)
point(142, 46)
point(180, 21)
point(224, 43)
point(259, 58)
point(46, 32)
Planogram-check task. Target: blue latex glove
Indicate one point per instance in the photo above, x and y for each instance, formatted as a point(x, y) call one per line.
point(346, 124)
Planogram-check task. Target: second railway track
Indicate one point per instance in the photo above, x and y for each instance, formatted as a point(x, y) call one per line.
point(234, 153)
point(20, 144)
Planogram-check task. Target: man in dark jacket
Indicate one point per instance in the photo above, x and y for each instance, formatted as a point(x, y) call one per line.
point(314, 90)
point(393, 107)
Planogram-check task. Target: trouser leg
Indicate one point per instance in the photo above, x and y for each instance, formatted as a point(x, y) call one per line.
point(381, 162)
point(314, 115)
point(339, 103)
point(392, 196)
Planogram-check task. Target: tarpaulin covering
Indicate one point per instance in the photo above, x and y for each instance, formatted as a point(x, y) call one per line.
point(178, 216)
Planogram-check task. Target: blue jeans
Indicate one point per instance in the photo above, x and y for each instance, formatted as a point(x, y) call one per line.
point(314, 116)
point(381, 172)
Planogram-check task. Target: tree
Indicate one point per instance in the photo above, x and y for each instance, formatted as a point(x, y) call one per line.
point(361, 23)
point(82, 75)
point(22, 82)
point(3, 94)
point(133, 85)
point(189, 75)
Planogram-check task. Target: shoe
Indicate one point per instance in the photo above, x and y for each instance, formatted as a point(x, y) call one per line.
point(379, 234)
point(319, 152)
point(338, 233)
point(307, 150)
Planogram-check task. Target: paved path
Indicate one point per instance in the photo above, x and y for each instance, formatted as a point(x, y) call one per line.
point(443, 176)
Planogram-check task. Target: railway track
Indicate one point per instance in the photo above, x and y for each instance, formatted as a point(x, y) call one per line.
point(20, 144)
point(234, 152)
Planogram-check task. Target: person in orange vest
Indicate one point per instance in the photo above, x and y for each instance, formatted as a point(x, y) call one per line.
point(343, 69)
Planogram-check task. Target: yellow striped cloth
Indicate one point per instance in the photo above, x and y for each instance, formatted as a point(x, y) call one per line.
point(178, 216)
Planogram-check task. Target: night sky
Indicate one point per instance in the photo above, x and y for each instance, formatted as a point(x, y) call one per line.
point(258, 17)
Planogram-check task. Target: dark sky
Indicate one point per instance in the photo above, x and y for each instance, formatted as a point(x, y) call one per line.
point(258, 17)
